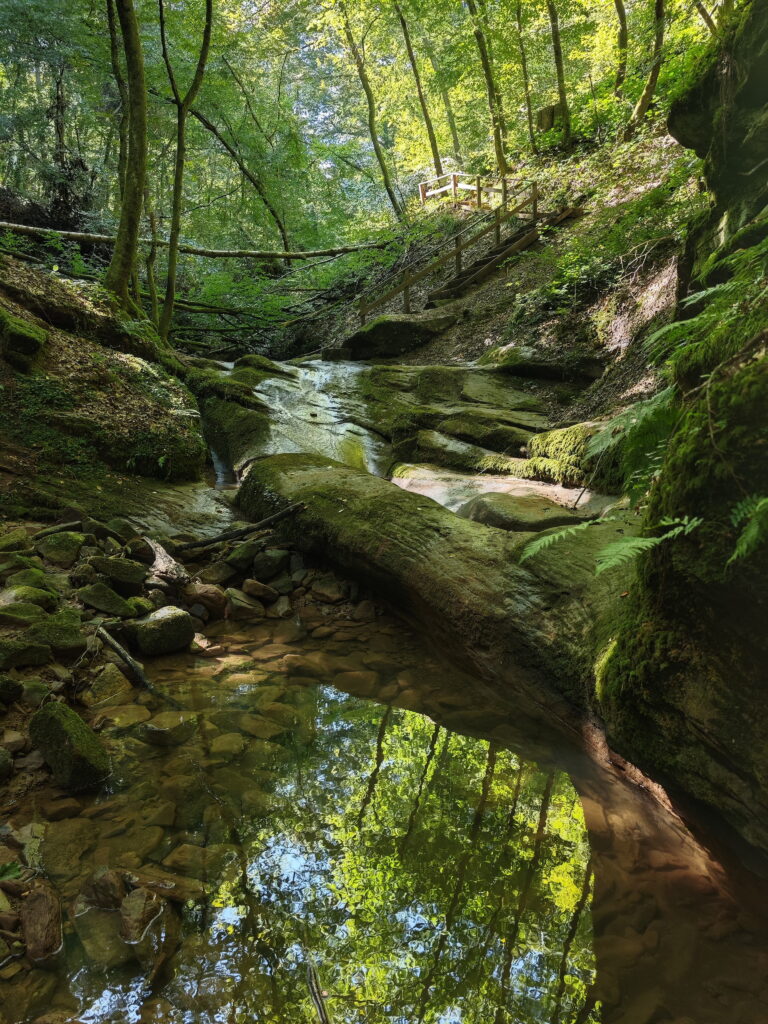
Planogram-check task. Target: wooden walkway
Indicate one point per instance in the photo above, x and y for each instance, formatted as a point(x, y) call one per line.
point(500, 202)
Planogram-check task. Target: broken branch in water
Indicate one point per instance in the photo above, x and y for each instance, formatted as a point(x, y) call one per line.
point(136, 671)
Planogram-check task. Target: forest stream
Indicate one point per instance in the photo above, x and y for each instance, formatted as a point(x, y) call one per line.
point(403, 845)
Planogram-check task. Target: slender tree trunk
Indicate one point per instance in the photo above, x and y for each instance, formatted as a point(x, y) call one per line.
point(526, 76)
point(122, 91)
point(60, 199)
point(568, 944)
point(183, 103)
point(622, 42)
point(151, 259)
point(445, 96)
point(373, 778)
point(417, 802)
point(123, 262)
point(557, 50)
point(706, 17)
point(642, 105)
point(494, 96)
point(365, 82)
point(248, 174)
point(420, 91)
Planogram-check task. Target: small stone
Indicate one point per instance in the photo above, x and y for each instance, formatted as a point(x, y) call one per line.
point(10, 690)
point(122, 718)
point(197, 861)
point(60, 809)
point(105, 888)
point(218, 573)
point(243, 555)
point(267, 564)
point(141, 550)
point(110, 688)
point(260, 590)
point(61, 549)
point(40, 916)
point(6, 764)
point(283, 584)
point(281, 609)
point(244, 608)
point(228, 746)
point(169, 728)
point(104, 599)
point(329, 590)
point(13, 741)
point(35, 693)
point(99, 932)
point(165, 631)
point(364, 612)
point(72, 750)
point(211, 597)
point(28, 578)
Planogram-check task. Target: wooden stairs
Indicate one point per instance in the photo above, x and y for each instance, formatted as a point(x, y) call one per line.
point(483, 267)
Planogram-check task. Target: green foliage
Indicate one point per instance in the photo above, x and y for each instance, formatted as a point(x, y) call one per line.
point(751, 515)
point(546, 540)
point(11, 869)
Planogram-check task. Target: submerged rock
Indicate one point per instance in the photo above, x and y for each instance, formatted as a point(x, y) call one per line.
point(169, 728)
point(110, 688)
point(73, 752)
point(40, 916)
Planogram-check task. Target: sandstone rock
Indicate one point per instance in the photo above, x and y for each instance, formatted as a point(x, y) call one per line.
point(34, 693)
point(211, 597)
point(23, 653)
point(104, 599)
point(60, 808)
point(64, 845)
point(393, 334)
point(124, 717)
point(198, 861)
point(29, 578)
point(362, 684)
point(14, 540)
point(105, 888)
point(140, 550)
point(329, 589)
point(281, 609)
point(218, 573)
point(13, 741)
point(72, 750)
point(165, 631)
point(99, 932)
point(228, 746)
point(260, 591)
point(244, 608)
point(61, 549)
point(527, 513)
point(28, 595)
point(243, 555)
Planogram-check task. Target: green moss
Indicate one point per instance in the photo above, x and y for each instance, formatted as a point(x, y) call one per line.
point(72, 750)
point(31, 595)
point(233, 431)
point(20, 341)
point(209, 384)
point(257, 362)
point(475, 430)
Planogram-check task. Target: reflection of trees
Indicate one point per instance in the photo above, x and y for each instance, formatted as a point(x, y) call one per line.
point(432, 877)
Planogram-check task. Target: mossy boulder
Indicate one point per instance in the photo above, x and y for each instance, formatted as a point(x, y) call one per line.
point(567, 448)
point(18, 652)
point(29, 578)
point(29, 595)
point(14, 540)
point(235, 432)
point(20, 341)
point(10, 689)
point(21, 614)
point(62, 549)
point(393, 334)
point(73, 752)
point(265, 366)
point(242, 556)
point(110, 688)
point(525, 361)
point(61, 632)
point(164, 631)
point(104, 599)
point(126, 576)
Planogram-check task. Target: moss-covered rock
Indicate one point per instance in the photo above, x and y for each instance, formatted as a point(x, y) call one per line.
point(62, 549)
point(104, 599)
point(73, 752)
point(28, 595)
point(29, 578)
point(235, 432)
point(164, 631)
point(529, 513)
point(126, 576)
point(267, 366)
point(16, 652)
point(393, 334)
point(10, 689)
point(14, 540)
point(61, 632)
point(21, 614)
point(20, 340)
point(567, 447)
point(521, 361)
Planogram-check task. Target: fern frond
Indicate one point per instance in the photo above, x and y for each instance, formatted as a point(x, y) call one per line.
point(623, 550)
point(755, 531)
point(533, 547)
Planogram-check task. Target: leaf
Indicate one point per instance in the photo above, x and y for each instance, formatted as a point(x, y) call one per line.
point(755, 530)
point(533, 547)
point(12, 869)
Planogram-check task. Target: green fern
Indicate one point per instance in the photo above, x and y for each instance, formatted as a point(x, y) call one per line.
point(753, 513)
point(533, 547)
point(623, 550)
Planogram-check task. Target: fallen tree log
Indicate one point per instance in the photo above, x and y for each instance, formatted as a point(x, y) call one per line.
point(191, 250)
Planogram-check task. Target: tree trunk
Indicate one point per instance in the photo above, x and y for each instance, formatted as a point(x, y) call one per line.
point(706, 17)
point(642, 105)
point(557, 49)
point(365, 82)
point(182, 110)
point(123, 262)
point(494, 96)
point(151, 259)
point(526, 76)
point(622, 41)
point(445, 96)
point(122, 91)
point(420, 91)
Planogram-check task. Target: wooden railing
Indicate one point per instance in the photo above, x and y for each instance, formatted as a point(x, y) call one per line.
point(452, 185)
point(517, 197)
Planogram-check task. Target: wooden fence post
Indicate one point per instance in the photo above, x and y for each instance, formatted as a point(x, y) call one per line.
point(455, 185)
point(504, 195)
point(423, 192)
point(535, 201)
point(479, 192)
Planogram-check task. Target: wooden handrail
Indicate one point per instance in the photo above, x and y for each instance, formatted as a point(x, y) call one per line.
point(501, 214)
